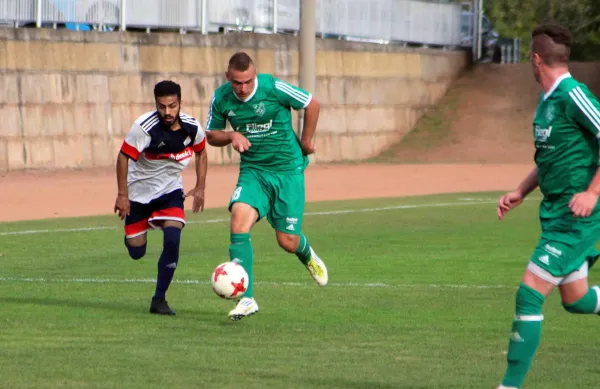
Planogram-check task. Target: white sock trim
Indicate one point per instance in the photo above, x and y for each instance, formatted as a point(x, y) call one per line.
point(529, 317)
point(597, 289)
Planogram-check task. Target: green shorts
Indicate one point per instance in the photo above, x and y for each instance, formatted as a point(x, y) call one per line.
point(565, 244)
point(279, 197)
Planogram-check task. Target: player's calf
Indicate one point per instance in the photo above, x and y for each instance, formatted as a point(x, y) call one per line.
point(589, 303)
point(288, 242)
point(135, 251)
point(168, 260)
point(525, 336)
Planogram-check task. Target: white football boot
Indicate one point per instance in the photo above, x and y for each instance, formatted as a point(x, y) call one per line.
point(505, 387)
point(317, 269)
point(244, 308)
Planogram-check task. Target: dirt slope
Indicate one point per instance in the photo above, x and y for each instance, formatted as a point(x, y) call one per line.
point(485, 117)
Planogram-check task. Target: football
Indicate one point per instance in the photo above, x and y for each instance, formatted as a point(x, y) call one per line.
point(229, 280)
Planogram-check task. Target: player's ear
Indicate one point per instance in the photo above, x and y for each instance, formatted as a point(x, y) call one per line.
point(227, 75)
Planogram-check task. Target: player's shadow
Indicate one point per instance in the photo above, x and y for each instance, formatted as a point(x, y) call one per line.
point(122, 306)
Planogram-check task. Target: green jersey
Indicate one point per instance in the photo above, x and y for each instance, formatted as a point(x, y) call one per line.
point(264, 118)
point(566, 129)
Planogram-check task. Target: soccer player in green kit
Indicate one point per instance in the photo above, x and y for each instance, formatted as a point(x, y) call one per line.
point(566, 128)
point(273, 160)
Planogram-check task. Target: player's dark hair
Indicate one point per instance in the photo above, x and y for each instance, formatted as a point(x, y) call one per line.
point(552, 42)
point(240, 61)
point(167, 88)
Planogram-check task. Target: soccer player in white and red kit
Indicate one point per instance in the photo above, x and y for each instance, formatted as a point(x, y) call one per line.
point(159, 145)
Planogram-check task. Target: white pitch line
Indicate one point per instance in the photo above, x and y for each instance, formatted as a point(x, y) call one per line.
point(325, 213)
point(199, 282)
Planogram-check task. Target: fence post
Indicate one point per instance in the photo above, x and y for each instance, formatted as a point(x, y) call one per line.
point(307, 50)
point(123, 15)
point(38, 13)
point(275, 15)
point(475, 30)
point(203, 26)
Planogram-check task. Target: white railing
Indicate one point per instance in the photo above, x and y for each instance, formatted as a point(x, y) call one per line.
point(413, 21)
point(22, 11)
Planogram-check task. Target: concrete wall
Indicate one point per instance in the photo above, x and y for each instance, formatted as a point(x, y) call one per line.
point(68, 98)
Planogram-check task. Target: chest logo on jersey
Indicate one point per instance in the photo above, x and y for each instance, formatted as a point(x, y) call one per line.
point(259, 109)
point(542, 134)
point(255, 128)
point(178, 157)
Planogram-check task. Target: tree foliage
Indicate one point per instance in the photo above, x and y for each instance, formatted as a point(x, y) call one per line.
point(517, 18)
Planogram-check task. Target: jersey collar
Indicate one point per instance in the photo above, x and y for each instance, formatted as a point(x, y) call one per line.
point(251, 94)
point(556, 83)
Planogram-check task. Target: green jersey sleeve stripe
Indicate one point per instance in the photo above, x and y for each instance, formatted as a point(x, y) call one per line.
point(301, 97)
point(210, 114)
point(588, 104)
point(585, 105)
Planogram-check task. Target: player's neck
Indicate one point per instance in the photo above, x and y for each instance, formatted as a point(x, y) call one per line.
point(550, 76)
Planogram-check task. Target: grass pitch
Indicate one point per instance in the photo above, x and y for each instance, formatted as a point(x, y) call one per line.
point(421, 295)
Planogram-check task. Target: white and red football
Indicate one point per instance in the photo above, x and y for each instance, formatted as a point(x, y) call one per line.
point(229, 280)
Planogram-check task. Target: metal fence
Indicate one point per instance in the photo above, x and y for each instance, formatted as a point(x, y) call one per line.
point(413, 21)
point(511, 51)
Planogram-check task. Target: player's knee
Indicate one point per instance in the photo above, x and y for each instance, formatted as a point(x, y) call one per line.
point(136, 252)
point(172, 237)
point(589, 303)
point(288, 242)
point(529, 302)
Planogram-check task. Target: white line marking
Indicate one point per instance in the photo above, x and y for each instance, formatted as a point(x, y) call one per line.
point(325, 213)
point(198, 282)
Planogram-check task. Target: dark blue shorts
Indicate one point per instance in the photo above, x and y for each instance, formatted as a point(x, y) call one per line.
point(166, 207)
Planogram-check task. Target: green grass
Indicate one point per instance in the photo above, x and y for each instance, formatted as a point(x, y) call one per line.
point(438, 317)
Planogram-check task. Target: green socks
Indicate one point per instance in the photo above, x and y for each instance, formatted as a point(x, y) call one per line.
point(527, 329)
point(525, 335)
point(240, 251)
point(586, 304)
point(303, 250)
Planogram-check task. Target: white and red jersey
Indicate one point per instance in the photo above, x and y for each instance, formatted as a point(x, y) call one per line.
point(159, 155)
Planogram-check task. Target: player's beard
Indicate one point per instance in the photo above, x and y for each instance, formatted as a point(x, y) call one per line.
point(172, 120)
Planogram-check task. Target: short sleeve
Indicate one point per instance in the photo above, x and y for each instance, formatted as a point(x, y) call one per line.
point(136, 142)
point(292, 96)
point(585, 109)
point(215, 120)
point(200, 140)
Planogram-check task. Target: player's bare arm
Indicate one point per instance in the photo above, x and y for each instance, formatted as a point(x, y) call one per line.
point(122, 202)
point(201, 164)
point(516, 197)
point(222, 138)
point(311, 116)
point(582, 204)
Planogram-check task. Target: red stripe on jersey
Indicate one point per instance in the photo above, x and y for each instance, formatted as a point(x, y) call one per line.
point(200, 146)
point(130, 151)
point(178, 157)
point(137, 227)
point(169, 212)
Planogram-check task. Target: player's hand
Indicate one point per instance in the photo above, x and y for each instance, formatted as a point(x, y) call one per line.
point(582, 204)
point(198, 195)
point(508, 202)
point(308, 147)
point(122, 206)
point(239, 142)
